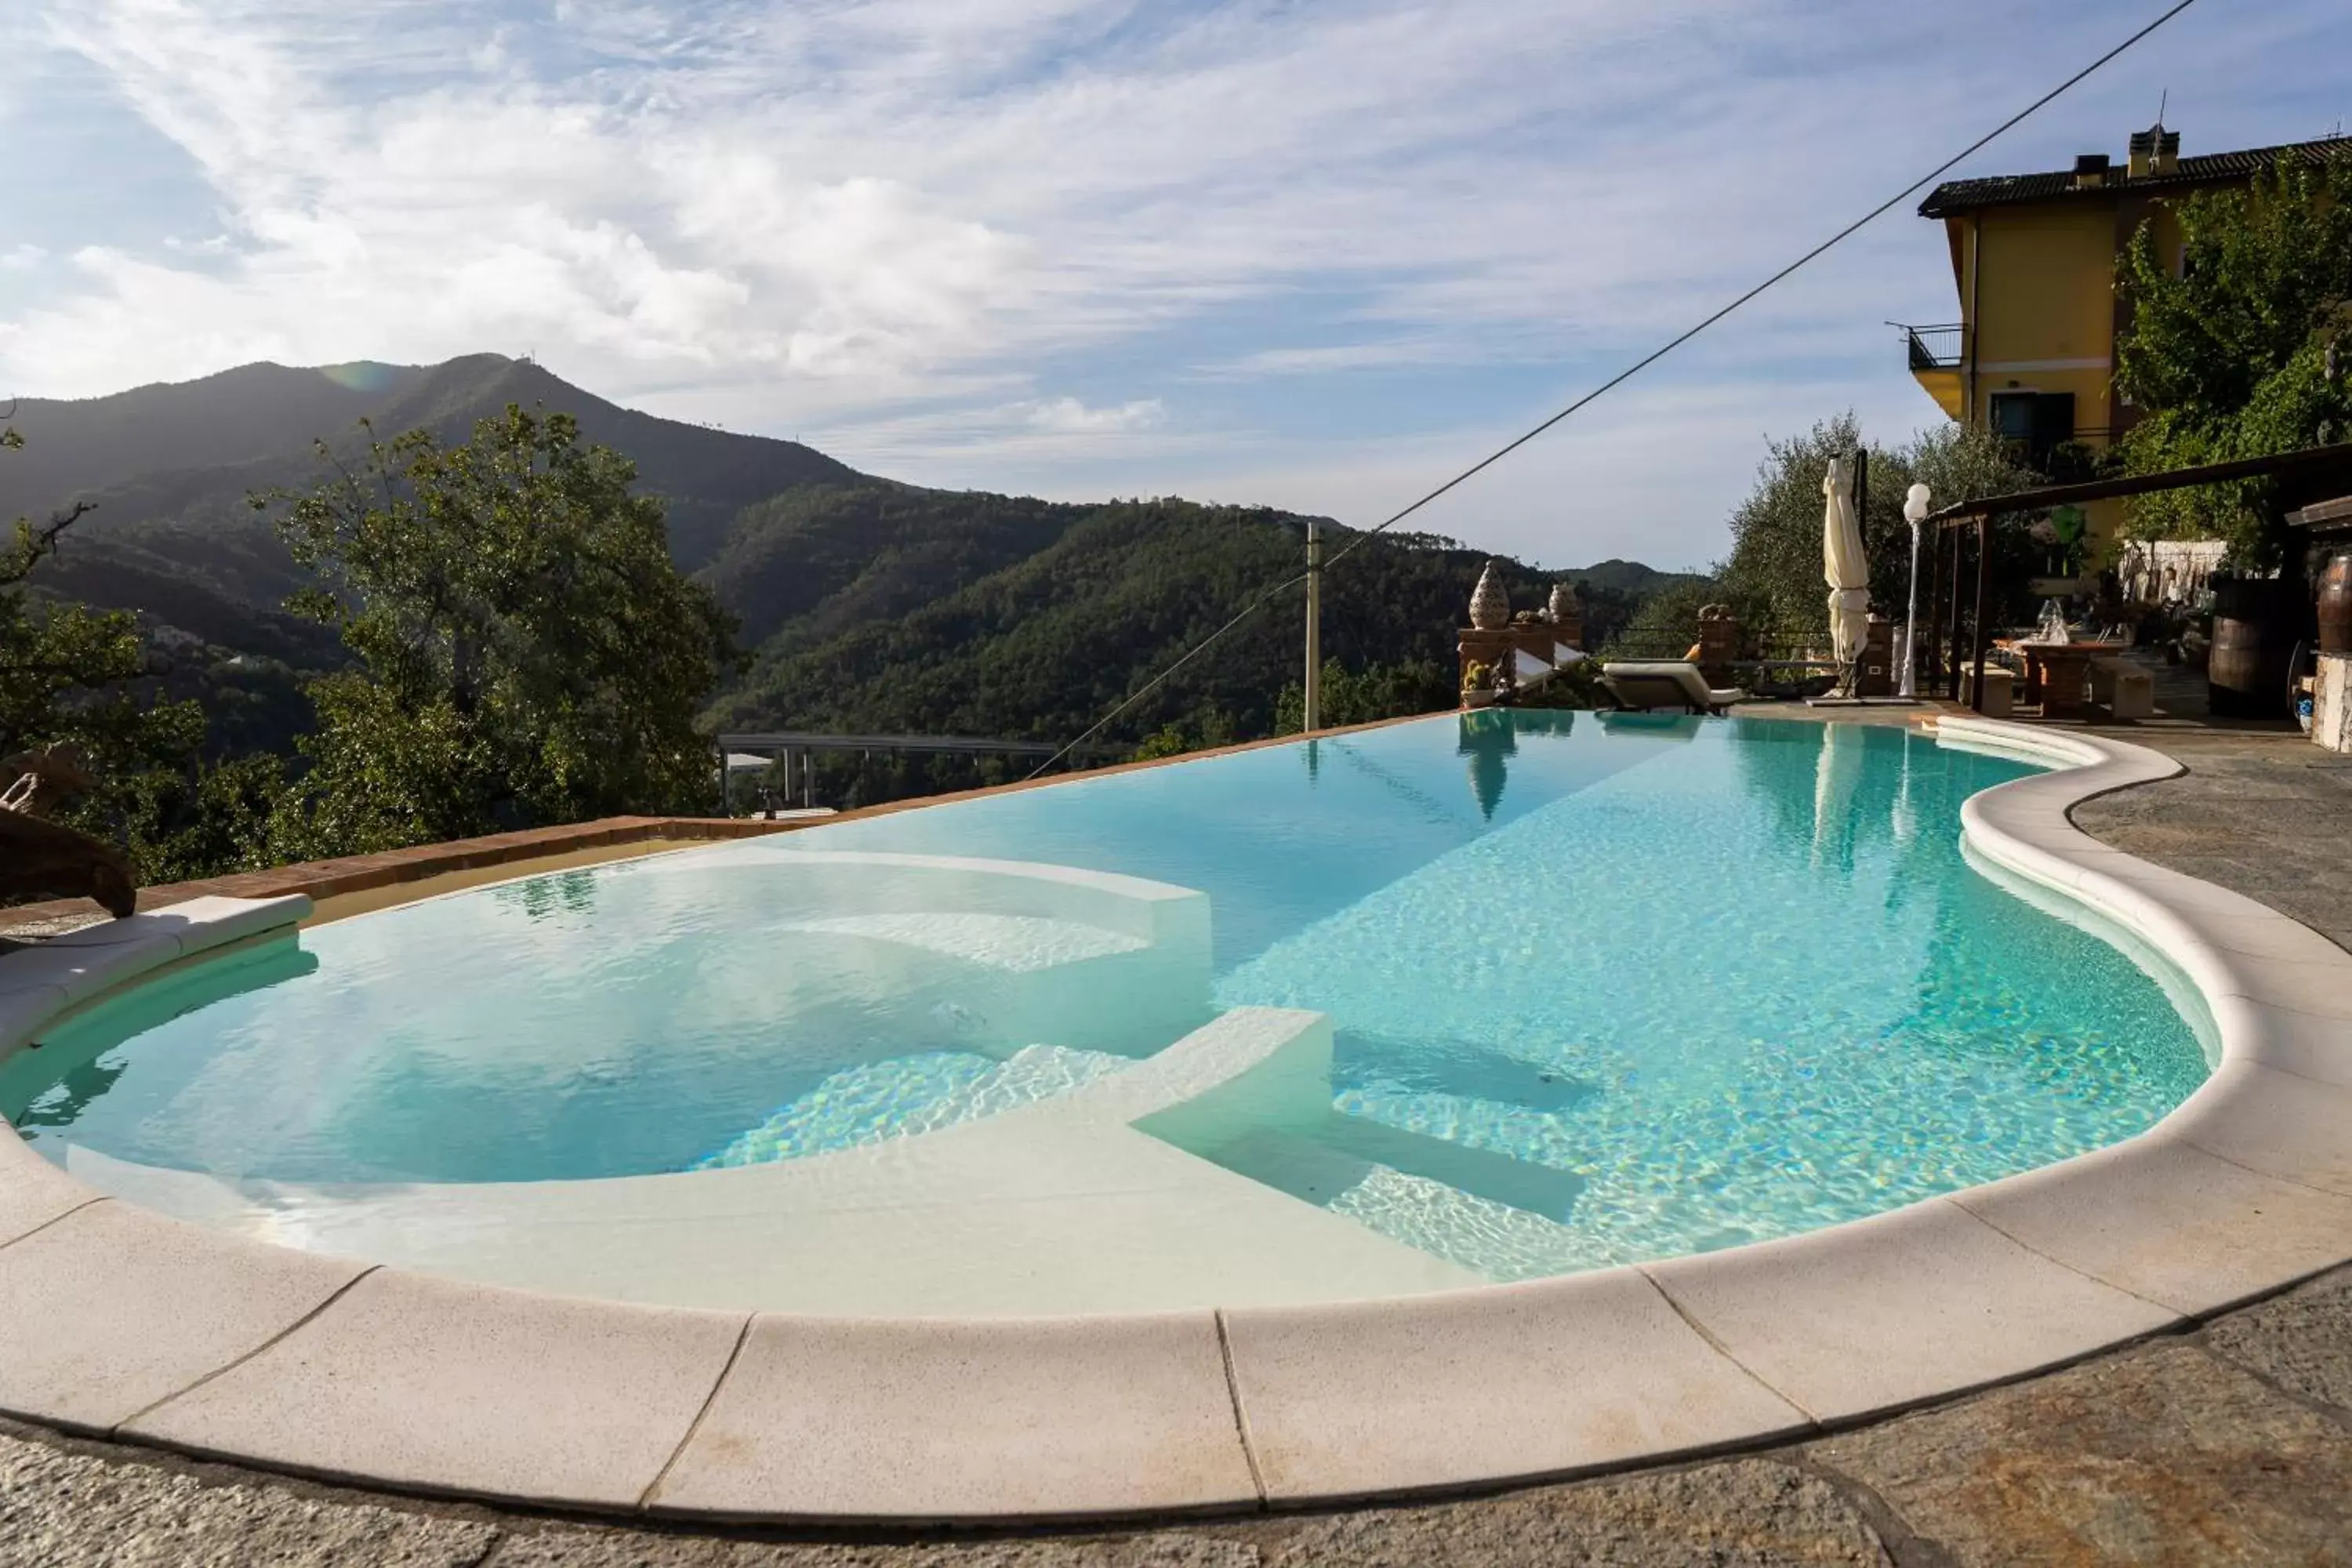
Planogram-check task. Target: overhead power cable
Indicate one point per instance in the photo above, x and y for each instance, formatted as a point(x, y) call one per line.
point(1631, 371)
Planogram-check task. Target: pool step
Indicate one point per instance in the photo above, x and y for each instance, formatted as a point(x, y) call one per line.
point(993, 956)
point(1017, 944)
point(1320, 1161)
point(866, 1103)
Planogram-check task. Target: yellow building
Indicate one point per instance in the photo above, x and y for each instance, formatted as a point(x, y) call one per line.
point(2033, 263)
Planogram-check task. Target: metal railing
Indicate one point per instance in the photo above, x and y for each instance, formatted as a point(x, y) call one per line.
point(1943, 347)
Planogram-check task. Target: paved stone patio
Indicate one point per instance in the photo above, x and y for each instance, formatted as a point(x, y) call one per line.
point(2229, 1445)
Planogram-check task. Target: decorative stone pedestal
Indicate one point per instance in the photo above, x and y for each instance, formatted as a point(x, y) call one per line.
point(2331, 704)
point(1491, 647)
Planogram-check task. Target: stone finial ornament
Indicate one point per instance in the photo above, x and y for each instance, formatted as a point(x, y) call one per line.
point(1562, 605)
point(1490, 604)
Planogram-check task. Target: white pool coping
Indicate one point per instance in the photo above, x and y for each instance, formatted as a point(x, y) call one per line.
point(119, 1322)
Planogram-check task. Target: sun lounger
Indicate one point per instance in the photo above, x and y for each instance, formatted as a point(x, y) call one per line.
point(1666, 683)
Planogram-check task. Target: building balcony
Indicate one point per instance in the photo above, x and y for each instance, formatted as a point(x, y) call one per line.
point(1936, 354)
point(1935, 348)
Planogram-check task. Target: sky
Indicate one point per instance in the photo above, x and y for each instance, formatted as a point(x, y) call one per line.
point(1316, 254)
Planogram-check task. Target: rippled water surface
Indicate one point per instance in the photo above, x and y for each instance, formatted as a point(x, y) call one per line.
point(1604, 988)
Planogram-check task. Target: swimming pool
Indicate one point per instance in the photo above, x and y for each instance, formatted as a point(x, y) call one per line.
point(1542, 993)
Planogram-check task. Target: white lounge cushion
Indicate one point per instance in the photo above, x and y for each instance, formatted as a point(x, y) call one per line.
point(1652, 683)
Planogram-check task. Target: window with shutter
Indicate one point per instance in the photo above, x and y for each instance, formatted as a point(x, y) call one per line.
point(2054, 421)
point(2033, 422)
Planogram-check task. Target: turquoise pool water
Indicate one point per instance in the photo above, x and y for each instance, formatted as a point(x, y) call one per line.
point(1604, 988)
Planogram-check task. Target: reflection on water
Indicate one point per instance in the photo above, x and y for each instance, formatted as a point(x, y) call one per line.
point(81, 1061)
point(1656, 726)
point(1488, 737)
point(558, 894)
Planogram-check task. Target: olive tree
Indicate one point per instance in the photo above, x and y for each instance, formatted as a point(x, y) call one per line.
point(1773, 575)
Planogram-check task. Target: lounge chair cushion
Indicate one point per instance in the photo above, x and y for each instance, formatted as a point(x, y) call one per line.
point(1666, 683)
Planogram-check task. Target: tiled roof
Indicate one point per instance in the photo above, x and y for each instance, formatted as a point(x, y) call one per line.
point(2001, 190)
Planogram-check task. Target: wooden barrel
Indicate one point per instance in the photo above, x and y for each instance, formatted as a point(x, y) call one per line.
point(2257, 622)
point(2335, 601)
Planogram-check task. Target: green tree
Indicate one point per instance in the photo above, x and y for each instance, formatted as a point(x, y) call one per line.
point(2233, 352)
point(1666, 623)
point(1205, 729)
point(526, 652)
point(1378, 691)
point(1773, 577)
point(71, 676)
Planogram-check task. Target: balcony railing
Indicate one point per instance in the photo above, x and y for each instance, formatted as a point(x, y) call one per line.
point(1937, 348)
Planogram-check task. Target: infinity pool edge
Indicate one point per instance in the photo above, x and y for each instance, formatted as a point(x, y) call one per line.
point(122, 1323)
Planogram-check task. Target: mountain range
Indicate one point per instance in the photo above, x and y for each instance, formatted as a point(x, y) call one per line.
point(864, 603)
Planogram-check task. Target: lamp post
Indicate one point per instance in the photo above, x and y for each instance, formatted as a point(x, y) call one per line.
point(1915, 512)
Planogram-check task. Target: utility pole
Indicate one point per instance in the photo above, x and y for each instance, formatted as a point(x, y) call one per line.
point(1314, 628)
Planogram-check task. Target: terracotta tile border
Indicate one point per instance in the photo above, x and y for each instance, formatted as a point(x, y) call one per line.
point(118, 1321)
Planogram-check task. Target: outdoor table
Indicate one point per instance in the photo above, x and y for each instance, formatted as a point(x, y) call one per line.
point(2057, 674)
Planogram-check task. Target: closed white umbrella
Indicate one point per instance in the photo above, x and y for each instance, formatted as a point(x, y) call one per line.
point(1847, 571)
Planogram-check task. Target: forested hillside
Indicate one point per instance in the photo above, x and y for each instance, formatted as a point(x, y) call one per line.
point(861, 604)
point(1039, 648)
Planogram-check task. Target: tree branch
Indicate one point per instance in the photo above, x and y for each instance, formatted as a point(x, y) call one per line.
point(33, 544)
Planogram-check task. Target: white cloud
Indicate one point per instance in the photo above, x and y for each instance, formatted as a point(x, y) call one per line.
point(897, 227)
point(866, 194)
point(1067, 415)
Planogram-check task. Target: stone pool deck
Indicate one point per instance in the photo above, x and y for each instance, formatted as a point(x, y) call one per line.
point(2232, 1445)
point(2228, 1443)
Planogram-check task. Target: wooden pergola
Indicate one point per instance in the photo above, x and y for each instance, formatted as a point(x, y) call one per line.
point(2307, 474)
